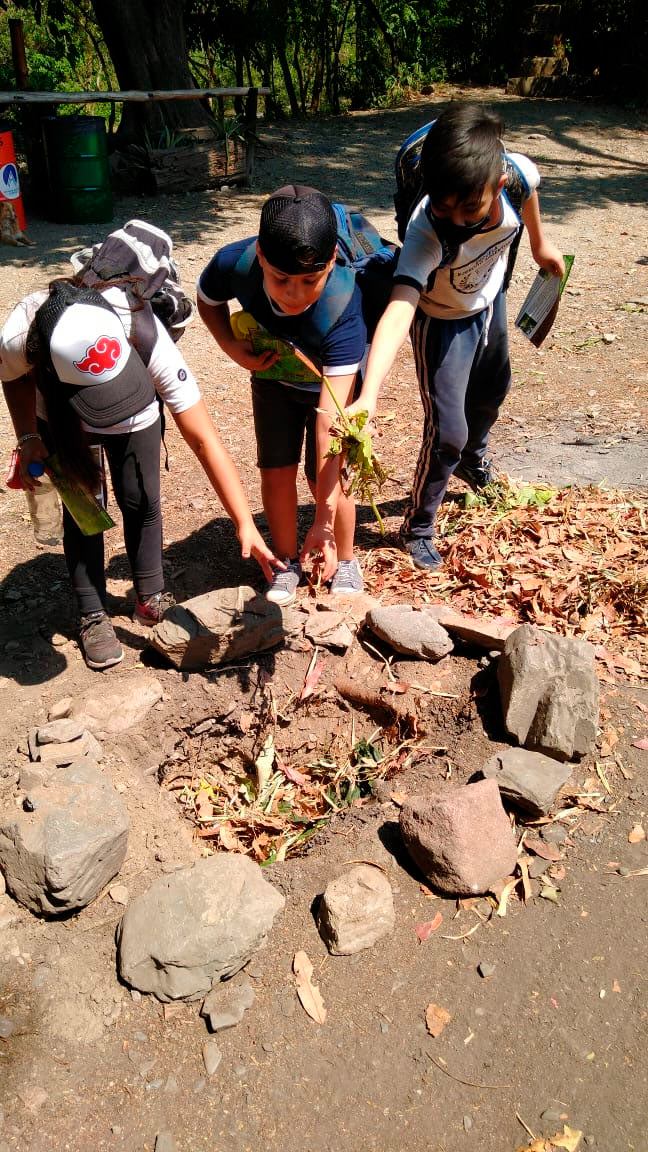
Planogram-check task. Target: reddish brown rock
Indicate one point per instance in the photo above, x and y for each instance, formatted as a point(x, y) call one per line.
point(461, 839)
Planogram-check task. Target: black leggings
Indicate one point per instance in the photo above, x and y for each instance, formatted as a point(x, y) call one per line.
point(134, 463)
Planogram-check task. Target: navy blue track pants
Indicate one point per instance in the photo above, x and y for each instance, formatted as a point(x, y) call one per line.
point(464, 374)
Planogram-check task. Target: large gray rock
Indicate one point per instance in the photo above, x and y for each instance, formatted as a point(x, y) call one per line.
point(549, 692)
point(528, 780)
point(119, 707)
point(356, 910)
point(223, 625)
point(461, 839)
point(59, 857)
point(408, 631)
point(196, 926)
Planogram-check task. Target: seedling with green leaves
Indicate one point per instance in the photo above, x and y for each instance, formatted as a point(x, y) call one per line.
point(361, 474)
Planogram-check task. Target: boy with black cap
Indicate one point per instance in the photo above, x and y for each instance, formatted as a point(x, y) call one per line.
point(288, 280)
point(73, 379)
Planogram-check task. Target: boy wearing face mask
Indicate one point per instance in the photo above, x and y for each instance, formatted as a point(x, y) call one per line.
point(449, 289)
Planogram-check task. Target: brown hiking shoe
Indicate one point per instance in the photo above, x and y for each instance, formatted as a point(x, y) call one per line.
point(99, 645)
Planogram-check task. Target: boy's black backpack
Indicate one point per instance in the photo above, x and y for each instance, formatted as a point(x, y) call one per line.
point(409, 191)
point(139, 256)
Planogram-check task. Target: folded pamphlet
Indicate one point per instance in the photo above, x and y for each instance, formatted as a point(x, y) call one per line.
point(292, 366)
point(540, 308)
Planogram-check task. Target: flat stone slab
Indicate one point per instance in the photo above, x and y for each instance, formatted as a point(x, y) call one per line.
point(119, 707)
point(196, 926)
point(409, 631)
point(218, 627)
point(461, 838)
point(490, 634)
point(528, 780)
point(59, 856)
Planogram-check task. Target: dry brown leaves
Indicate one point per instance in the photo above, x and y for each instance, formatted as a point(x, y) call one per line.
point(576, 564)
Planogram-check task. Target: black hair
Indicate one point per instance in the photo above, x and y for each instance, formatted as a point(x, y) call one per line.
point(68, 438)
point(462, 153)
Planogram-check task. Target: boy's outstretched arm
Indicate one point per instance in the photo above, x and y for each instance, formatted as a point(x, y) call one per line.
point(199, 432)
point(217, 319)
point(390, 334)
point(320, 540)
point(545, 254)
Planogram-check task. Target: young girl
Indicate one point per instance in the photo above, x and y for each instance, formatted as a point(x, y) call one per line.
point(72, 380)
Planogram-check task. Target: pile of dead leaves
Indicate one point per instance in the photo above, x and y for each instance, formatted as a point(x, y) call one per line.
point(573, 560)
point(275, 808)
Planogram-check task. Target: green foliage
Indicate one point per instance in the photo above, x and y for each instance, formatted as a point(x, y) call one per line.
point(325, 55)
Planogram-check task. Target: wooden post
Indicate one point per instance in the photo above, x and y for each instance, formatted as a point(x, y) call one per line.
point(17, 34)
point(249, 129)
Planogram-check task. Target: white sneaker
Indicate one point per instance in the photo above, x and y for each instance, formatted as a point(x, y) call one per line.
point(283, 590)
point(348, 579)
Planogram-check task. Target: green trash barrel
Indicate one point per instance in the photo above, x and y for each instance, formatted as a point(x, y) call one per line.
point(78, 174)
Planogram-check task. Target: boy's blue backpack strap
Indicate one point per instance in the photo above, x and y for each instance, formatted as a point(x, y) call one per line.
point(516, 190)
point(244, 282)
point(331, 304)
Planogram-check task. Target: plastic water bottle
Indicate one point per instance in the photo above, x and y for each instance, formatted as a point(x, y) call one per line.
point(44, 507)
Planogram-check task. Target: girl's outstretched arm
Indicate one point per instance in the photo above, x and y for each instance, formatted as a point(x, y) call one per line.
point(199, 432)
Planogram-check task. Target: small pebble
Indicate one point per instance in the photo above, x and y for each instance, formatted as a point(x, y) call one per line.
point(61, 710)
point(199, 1086)
point(171, 1086)
point(135, 995)
point(154, 1085)
point(550, 1116)
point(623, 871)
point(212, 1056)
point(7, 1026)
point(164, 1142)
point(486, 970)
point(467, 1123)
point(384, 1026)
point(141, 1037)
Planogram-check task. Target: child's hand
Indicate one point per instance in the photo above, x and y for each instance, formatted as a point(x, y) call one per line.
point(362, 405)
point(253, 544)
point(321, 547)
point(548, 257)
point(29, 452)
point(242, 353)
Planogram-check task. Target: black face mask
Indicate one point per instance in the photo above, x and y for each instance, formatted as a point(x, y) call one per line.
point(456, 234)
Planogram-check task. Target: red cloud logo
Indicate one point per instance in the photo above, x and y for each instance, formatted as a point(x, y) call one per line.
point(100, 356)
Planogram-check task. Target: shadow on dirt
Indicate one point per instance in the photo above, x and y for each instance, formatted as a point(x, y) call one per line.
point(352, 157)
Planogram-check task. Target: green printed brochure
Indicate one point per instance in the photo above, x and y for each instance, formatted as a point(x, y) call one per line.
point(292, 366)
point(540, 308)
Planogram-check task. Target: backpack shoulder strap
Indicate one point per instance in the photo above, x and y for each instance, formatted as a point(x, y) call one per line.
point(143, 333)
point(517, 188)
point(244, 278)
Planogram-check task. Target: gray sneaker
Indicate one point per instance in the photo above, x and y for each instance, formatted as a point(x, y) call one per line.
point(283, 590)
point(348, 579)
point(99, 645)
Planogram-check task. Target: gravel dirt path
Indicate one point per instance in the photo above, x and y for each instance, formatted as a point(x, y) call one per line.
point(560, 1025)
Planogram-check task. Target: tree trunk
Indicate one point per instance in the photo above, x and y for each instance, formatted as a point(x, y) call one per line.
point(147, 45)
